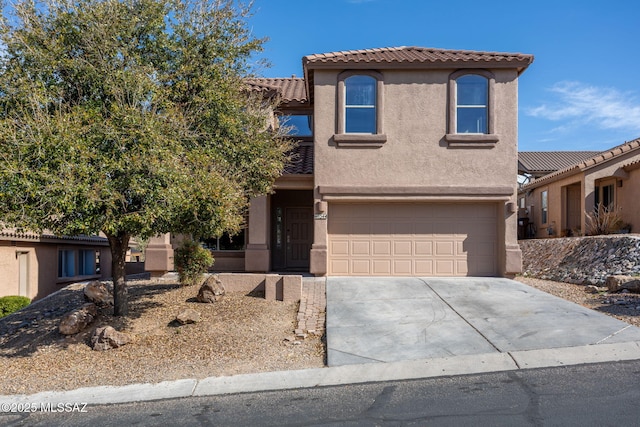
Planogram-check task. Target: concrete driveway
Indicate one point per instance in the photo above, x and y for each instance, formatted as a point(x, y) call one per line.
point(394, 319)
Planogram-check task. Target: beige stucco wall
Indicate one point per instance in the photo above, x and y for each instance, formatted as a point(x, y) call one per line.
point(42, 266)
point(416, 154)
point(415, 122)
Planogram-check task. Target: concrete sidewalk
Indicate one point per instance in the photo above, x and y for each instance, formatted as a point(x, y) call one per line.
point(420, 328)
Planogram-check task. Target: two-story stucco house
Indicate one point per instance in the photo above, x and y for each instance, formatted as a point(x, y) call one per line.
point(407, 166)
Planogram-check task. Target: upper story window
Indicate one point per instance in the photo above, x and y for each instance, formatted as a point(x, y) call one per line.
point(360, 109)
point(472, 96)
point(360, 104)
point(300, 125)
point(471, 109)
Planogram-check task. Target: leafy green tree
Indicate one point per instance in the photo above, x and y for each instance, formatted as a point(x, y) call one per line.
point(131, 117)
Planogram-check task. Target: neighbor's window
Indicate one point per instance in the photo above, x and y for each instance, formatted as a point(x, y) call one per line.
point(297, 124)
point(472, 104)
point(544, 206)
point(78, 262)
point(226, 242)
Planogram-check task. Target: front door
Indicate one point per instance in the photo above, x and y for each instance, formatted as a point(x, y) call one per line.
point(298, 237)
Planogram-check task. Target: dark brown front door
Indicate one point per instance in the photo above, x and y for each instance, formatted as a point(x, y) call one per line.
point(298, 237)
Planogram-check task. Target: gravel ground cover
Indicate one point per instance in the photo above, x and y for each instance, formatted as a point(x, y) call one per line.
point(239, 334)
point(622, 306)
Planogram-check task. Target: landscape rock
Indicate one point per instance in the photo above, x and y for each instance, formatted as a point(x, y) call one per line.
point(188, 316)
point(623, 283)
point(76, 320)
point(212, 290)
point(99, 293)
point(106, 338)
point(581, 260)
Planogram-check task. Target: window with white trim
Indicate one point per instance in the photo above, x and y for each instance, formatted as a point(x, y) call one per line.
point(360, 109)
point(472, 104)
point(544, 207)
point(360, 104)
point(471, 116)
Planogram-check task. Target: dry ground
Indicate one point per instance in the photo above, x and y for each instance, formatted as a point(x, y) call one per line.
point(239, 334)
point(622, 306)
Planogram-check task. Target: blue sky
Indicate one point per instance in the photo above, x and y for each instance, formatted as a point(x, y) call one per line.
point(582, 92)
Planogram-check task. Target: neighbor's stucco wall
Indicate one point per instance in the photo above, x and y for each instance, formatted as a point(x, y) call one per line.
point(42, 267)
point(630, 200)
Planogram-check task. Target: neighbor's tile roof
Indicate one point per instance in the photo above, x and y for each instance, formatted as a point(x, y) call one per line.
point(583, 165)
point(291, 90)
point(544, 162)
point(419, 55)
point(301, 160)
point(12, 233)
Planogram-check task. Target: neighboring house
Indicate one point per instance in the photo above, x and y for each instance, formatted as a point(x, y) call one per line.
point(35, 265)
point(406, 166)
point(556, 204)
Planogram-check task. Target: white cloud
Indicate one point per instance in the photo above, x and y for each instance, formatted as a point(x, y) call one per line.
point(578, 104)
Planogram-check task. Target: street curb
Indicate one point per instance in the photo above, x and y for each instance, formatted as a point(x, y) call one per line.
point(339, 375)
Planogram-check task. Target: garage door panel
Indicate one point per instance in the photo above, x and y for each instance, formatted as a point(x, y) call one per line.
point(402, 267)
point(412, 239)
point(423, 248)
point(445, 248)
point(381, 267)
point(360, 248)
point(361, 267)
point(339, 247)
point(382, 247)
point(402, 248)
point(424, 267)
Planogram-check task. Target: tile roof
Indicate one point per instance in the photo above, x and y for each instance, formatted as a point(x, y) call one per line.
point(11, 233)
point(301, 160)
point(291, 90)
point(420, 56)
point(544, 162)
point(583, 165)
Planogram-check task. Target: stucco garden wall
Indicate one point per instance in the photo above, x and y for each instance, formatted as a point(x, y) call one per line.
point(582, 260)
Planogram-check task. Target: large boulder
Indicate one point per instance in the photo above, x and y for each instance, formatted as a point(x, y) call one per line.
point(106, 338)
point(618, 283)
point(188, 315)
point(99, 293)
point(76, 320)
point(212, 290)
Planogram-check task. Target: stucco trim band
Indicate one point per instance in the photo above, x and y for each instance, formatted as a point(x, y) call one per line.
point(416, 193)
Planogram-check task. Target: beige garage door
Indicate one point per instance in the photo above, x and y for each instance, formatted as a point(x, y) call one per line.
point(421, 239)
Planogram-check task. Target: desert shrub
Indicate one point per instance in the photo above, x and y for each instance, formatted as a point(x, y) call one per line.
point(603, 220)
point(191, 261)
point(11, 304)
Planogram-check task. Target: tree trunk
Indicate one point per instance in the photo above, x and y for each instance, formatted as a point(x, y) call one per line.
point(119, 245)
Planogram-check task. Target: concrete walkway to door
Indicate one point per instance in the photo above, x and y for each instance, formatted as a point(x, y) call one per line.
point(396, 319)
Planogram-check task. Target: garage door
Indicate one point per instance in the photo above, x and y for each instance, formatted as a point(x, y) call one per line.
point(420, 239)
